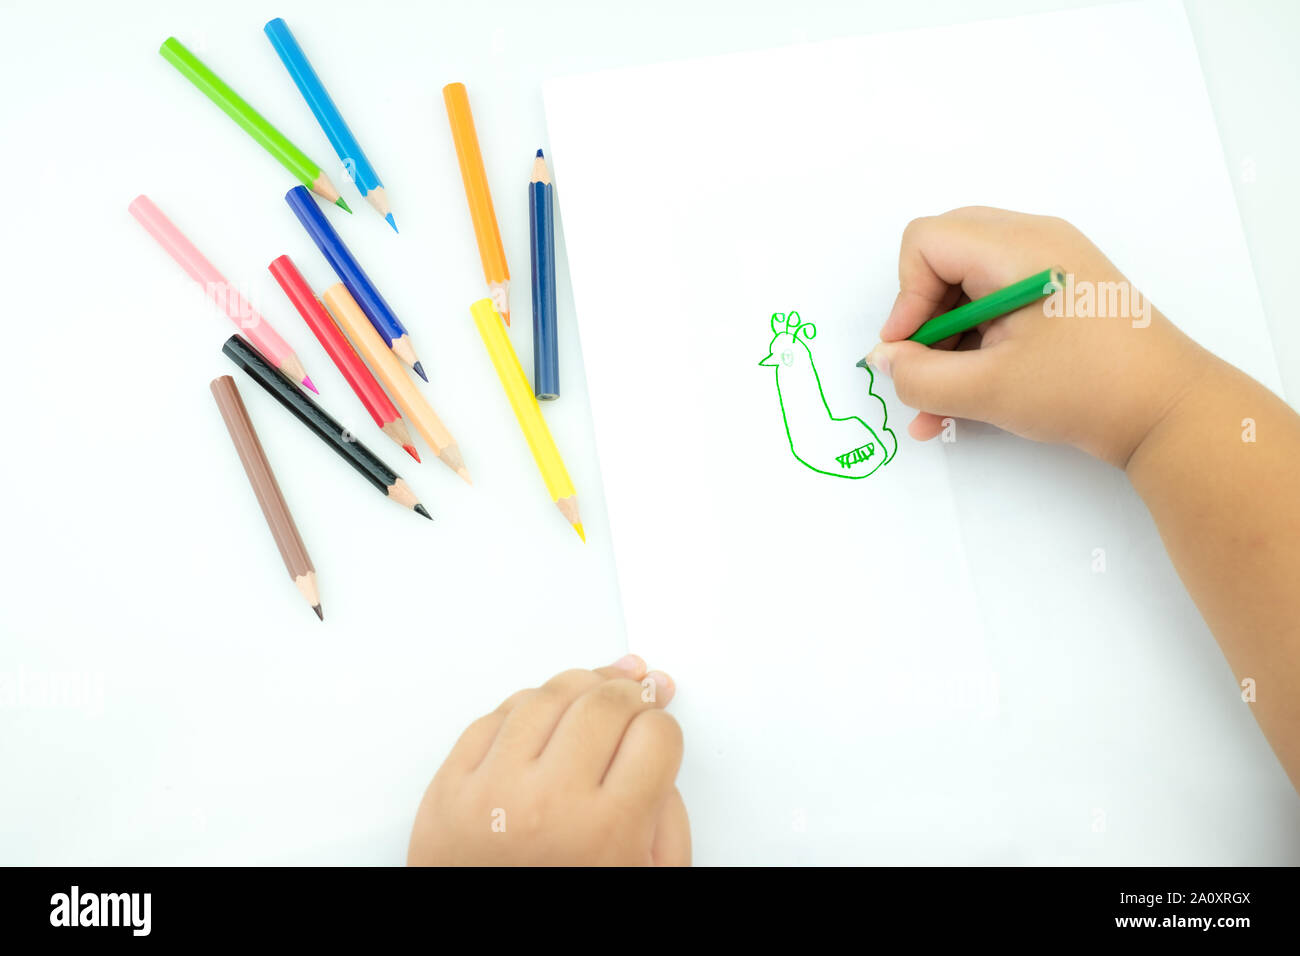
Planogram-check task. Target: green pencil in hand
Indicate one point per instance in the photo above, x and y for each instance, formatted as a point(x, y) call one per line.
point(992, 306)
point(234, 106)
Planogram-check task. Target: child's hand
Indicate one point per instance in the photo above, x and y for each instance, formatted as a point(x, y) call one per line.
point(1099, 383)
point(579, 771)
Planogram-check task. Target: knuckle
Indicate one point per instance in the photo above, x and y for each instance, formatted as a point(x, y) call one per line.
point(662, 728)
point(570, 681)
point(913, 230)
point(514, 700)
point(478, 726)
point(571, 676)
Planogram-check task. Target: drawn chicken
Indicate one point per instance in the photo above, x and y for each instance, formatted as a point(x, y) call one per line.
point(840, 447)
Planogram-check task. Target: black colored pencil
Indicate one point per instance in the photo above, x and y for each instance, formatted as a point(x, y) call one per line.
point(370, 465)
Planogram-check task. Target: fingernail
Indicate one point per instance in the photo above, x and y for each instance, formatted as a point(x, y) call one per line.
point(664, 688)
point(879, 359)
point(630, 664)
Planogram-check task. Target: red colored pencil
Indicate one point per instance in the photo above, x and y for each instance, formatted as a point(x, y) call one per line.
point(368, 389)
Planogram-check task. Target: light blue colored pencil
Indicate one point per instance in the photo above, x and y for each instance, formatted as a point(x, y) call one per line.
point(328, 115)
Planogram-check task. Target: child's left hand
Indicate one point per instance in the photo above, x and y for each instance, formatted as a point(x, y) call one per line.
point(578, 771)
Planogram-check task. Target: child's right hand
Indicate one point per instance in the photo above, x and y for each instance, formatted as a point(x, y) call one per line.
point(1098, 383)
point(1213, 453)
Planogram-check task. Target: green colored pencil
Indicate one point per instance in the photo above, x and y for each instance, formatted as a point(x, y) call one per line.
point(995, 304)
point(253, 122)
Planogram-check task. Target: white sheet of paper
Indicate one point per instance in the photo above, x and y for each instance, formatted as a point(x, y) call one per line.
point(842, 700)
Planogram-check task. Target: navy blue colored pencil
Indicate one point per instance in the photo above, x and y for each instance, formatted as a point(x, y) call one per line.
point(541, 220)
point(351, 274)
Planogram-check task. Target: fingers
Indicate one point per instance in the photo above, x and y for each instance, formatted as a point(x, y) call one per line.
point(926, 426)
point(525, 729)
point(961, 384)
point(645, 766)
point(917, 305)
point(942, 256)
point(672, 840)
point(469, 751)
point(591, 730)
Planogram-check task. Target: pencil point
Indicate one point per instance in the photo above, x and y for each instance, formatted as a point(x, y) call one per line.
point(306, 381)
point(419, 370)
point(577, 526)
point(319, 613)
point(539, 152)
point(389, 217)
point(861, 364)
point(341, 204)
point(506, 316)
point(464, 473)
point(422, 510)
point(410, 450)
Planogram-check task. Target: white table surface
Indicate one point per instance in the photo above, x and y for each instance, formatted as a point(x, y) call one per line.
point(164, 697)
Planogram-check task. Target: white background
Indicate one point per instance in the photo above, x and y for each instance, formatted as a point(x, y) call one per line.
point(207, 716)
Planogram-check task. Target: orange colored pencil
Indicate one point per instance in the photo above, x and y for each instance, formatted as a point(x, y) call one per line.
point(389, 370)
point(484, 217)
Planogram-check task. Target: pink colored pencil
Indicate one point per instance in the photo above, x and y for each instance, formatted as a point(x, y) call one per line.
point(198, 268)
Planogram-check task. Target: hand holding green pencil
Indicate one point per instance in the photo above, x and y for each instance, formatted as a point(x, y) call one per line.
point(1096, 369)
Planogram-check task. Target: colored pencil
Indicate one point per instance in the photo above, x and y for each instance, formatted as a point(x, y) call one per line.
point(417, 410)
point(527, 412)
point(328, 116)
point(251, 121)
point(198, 268)
point(345, 265)
point(988, 307)
point(541, 233)
point(344, 443)
point(345, 358)
point(478, 195)
point(274, 508)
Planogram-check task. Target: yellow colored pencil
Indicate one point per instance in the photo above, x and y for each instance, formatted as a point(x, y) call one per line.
point(528, 412)
point(386, 366)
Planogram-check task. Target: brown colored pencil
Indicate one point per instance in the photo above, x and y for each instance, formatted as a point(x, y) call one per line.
point(267, 489)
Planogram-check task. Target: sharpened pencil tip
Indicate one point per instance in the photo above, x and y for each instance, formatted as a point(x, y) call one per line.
point(539, 152)
point(419, 370)
point(862, 364)
point(319, 613)
point(410, 450)
point(422, 510)
point(577, 526)
point(342, 205)
point(464, 473)
point(506, 317)
point(392, 223)
point(306, 381)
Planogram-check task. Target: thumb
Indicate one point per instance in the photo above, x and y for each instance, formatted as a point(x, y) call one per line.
point(960, 384)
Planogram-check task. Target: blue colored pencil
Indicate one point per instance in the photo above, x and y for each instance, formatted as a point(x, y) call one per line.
point(328, 115)
point(541, 233)
point(351, 274)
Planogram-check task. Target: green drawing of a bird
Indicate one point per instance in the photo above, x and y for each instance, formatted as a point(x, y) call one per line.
point(841, 447)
